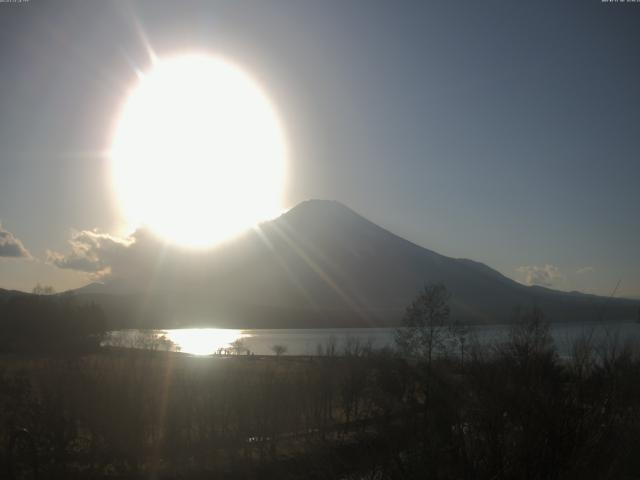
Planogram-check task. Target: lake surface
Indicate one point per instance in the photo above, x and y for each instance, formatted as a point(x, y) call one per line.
point(210, 341)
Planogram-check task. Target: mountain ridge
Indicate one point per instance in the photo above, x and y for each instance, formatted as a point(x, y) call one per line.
point(321, 264)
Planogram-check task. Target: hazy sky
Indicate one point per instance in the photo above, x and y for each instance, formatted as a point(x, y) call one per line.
point(505, 132)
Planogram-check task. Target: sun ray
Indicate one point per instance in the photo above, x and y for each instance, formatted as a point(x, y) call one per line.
point(322, 274)
point(292, 276)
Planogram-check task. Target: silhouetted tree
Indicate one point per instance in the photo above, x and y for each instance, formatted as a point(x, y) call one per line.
point(279, 350)
point(238, 347)
point(459, 335)
point(422, 332)
point(43, 290)
point(530, 336)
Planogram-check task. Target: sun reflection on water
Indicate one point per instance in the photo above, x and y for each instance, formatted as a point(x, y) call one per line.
point(204, 341)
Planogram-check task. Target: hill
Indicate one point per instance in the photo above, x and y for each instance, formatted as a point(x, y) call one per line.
point(320, 265)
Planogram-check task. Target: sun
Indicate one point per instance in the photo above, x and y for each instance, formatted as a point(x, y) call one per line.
point(198, 154)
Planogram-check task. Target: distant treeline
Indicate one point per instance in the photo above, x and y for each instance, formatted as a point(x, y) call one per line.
point(46, 323)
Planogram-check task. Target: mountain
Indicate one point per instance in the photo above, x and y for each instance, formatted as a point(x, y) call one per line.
point(320, 265)
point(6, 294)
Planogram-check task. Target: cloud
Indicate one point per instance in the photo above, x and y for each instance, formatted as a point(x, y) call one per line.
point(135, 259)
point(545, 276)
point(583, 270)
point(10, 246)
point(91, 252)
point(143, 261)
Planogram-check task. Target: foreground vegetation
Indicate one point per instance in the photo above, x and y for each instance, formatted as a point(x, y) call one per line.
point(513, 410)
point(438, 406)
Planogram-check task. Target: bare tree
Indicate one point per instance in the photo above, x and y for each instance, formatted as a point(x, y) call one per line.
point(458, 335)
point(530, 335)
point(422, 332)
point(329, 349)
point(43, 290)
point(238, 347)
point(279, 350)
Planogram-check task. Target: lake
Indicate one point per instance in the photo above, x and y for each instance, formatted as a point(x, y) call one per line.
point(209, 341)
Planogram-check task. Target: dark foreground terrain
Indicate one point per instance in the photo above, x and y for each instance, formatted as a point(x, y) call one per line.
point(513, 410)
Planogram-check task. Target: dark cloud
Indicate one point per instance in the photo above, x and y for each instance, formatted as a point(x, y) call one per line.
point(91, 252)
point(134, 259)
point(143, 261)
point(10, 246)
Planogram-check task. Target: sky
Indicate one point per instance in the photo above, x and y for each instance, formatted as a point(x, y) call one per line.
point(504, 132)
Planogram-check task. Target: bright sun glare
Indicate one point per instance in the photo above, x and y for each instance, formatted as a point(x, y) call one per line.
point(198, 153)
point(203, 341)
